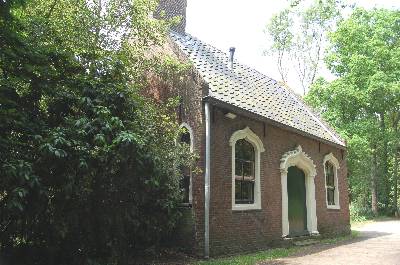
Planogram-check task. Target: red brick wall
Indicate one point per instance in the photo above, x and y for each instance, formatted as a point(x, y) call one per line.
point(192, 114)
point(232, 231)
point(173, 8)
point(191, 90)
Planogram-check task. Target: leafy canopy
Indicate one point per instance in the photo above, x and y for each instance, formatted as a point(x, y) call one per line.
point(298, 37)
point(363, 103)
point(89, 165)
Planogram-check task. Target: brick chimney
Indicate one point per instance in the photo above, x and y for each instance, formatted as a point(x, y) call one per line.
point(173, 8)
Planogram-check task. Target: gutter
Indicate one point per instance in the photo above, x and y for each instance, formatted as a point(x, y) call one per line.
point(207, 183)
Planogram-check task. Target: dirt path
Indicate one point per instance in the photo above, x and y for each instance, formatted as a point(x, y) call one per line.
point(378, 244)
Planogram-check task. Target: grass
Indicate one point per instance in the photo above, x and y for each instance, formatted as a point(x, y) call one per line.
point(360, 223)
point(335, 240)
point(253, 258)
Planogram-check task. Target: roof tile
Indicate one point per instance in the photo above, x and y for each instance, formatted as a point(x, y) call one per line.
point(251, 90)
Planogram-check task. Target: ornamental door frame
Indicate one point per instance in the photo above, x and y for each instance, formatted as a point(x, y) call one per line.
point(301, 160)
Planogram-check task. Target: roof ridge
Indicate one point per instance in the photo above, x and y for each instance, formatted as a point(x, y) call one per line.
point(226, 53)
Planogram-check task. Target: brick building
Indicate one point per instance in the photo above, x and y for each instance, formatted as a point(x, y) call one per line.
point(271, 168)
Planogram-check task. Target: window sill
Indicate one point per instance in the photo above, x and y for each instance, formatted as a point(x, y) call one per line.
point(252, 207)
point(333, 207)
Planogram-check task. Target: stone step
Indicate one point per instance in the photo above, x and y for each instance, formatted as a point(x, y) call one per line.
point(306, 242)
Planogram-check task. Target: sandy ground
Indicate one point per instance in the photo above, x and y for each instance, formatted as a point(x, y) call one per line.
point(378, 243)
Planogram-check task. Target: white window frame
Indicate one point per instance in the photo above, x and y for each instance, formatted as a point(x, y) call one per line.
point(332, 159)
point(187, 126)
point(252, 138)
point(191, 148)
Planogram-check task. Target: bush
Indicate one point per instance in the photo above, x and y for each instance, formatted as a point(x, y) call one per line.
point(359, 213)
point(88, 165)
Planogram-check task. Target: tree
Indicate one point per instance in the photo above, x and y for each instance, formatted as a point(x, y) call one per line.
point(282, 40)
point(298, 36)
point(89, 165)
point(363, 102)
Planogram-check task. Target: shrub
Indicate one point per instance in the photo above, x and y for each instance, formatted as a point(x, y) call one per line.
point(88, 165)
point(359, 213)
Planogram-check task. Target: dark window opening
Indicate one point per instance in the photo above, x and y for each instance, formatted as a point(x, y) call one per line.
point(185, 185)
point(244, 172)
point(185, 171)
point(185, 137)
point(330, 183)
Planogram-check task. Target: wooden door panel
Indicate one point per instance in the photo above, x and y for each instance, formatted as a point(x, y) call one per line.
point(297, 202)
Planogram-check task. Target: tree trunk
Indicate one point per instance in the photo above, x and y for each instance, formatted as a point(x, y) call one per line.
point(395, 180)
point(374, 192)
point(396, 121)
point(395, 177)
point(385, 177)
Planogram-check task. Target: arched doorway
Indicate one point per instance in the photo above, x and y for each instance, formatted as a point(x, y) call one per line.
point(297, 158)
point(297, 209)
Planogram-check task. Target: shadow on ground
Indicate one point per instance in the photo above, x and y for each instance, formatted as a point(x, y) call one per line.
point(364, 235)
point(179, 258)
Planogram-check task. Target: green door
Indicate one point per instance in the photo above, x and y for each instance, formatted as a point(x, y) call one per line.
point(297, 202)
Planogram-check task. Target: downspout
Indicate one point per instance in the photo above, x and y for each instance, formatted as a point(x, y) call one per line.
point(207, 184)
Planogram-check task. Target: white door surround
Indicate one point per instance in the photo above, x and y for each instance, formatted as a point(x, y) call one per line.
point(301, 160)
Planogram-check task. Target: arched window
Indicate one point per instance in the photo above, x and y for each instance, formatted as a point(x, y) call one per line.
point(246, 152)
point(186, 137)
point(331, 165)
point(244, 172)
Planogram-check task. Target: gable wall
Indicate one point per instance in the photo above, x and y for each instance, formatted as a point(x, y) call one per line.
point(171, 9)
point(191, 90)
point(233, 231)
point(193, 114)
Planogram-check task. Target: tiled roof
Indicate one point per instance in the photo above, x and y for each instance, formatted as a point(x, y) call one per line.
point(251, 90)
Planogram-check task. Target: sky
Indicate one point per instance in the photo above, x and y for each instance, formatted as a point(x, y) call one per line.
point(241, 24)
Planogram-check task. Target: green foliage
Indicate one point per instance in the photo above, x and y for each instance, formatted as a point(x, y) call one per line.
point(279, 28)
point(363, 103)
point(298, 35)
point(89, 166)
point(360, 213)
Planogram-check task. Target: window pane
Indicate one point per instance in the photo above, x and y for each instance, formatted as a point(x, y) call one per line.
point(244, 172)
point(331, 196)
point(184, 185)
point(244, 192)
point(248, 170)
point(238, 189)
point(238, 169)
point(244, 150)
point(248, 188)
point(328, 168)
point(330, 180)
